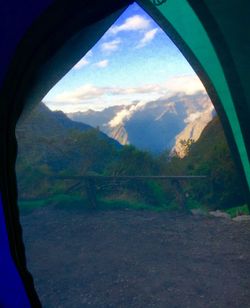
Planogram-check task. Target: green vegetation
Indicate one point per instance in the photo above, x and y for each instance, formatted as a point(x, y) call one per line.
point(63, 201)
point(238, 210)
point(90, 152)
point(210, 156)
point(76, 202)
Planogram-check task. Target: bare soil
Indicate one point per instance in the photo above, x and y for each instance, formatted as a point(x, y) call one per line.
point(126, 258)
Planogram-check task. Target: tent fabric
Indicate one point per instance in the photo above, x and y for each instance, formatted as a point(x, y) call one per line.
point(43, 55)
point(12, 292)
point(186, 23)
point(40, 43)
point(15, 20)
point(233, 26)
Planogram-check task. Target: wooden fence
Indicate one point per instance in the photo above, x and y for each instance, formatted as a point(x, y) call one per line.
point(90, 183)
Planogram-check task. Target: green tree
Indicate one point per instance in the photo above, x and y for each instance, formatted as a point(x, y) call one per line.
point(186, 145)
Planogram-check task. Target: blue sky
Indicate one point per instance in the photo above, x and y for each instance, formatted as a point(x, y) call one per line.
point(134, 61)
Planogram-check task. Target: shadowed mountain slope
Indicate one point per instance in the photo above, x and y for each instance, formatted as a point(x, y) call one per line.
point(153, 126)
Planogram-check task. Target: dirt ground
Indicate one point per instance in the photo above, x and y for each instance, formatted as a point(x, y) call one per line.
point(128, 258)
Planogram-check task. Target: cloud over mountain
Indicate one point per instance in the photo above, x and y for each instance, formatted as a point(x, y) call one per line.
point(154, 125)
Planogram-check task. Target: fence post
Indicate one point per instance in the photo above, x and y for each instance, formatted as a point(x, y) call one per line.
point(91, 192)
point(179, 194)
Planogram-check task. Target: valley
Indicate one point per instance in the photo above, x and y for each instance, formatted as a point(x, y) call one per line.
point(50, 144)
point(137, 247)
point(154, 126)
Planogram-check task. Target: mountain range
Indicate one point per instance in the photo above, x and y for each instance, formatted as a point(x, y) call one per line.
point(50, 144)
point(43, 134)
point(154, 126)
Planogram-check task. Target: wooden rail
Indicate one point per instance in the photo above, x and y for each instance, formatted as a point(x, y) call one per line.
point(129, 177)
point(90, 184)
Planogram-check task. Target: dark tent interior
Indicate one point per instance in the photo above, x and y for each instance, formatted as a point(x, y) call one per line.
point(41, 42)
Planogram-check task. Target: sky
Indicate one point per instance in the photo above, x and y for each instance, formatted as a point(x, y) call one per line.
point(135, 61)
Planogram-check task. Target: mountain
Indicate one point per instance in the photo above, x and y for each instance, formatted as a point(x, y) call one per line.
point(43, 135)
point(211, 156)
point(49, 143)
point(42, 121)
point(155, 126)
point(195, 126)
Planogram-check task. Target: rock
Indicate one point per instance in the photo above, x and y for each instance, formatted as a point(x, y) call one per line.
point(198, 212)
point(196, 122)
point(220, 214)
point(242, 218)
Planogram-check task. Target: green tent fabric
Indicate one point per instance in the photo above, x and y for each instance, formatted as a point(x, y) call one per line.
point(43, 44)
point(181, 17)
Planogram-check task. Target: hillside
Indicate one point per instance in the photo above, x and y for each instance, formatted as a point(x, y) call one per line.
point(211, 156)
point(42, 121)
point(49, 143)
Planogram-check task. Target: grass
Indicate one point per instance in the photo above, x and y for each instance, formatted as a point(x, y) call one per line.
point(239, 210)
point(134, 205)
point(27, 206)
point(68, 202)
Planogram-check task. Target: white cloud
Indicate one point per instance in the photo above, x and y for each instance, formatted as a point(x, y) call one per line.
point(90, 92)
point(148, 37)
point(188, 84)
point(85, 92)
point(89, 53)
point(102, 64)
point(98, 97)
point(84, 61)
point(147, 88)
point(111, 45)
point(193, 116)
point(126, 113)
point(133, 23)
point(120, 117)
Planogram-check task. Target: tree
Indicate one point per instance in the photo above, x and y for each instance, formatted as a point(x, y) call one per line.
point(186, 145)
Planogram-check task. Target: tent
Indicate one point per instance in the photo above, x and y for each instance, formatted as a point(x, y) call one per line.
point(40, 43)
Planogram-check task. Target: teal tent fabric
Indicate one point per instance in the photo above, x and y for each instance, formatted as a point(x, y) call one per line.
point(36, 51)
point(182, 18)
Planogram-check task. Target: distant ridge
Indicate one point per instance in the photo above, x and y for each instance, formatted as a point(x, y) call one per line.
point(50, 143)
point(41, 121)
point(155, 126)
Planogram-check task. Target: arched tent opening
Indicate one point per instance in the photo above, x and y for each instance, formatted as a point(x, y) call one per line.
point(197, 30)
